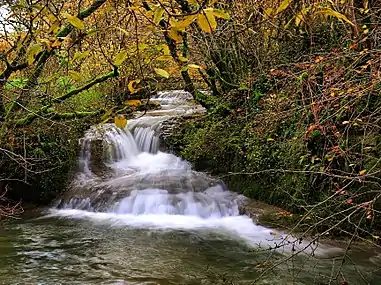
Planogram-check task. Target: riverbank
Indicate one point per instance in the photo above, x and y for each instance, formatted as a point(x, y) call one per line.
point(274, 155)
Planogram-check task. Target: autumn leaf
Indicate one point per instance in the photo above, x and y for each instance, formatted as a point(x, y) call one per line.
point(80, 55)
point(47, 44)
point(158, 15)
point(174, 34)
point(75, 22)
point(162, 72)
point(56, 43)
point(330, 12)
point(283, 6)
point(32, 52)
point(211, 19)
point(186, 22)
point(75, 75)
point(221, 14)
point(194, 66)
point(164, 58)
point(207, 21)
point(120, 57)
point(131, 86)
point(120, 121)
point(54, 28)
point(133, 103)
point(183, 59)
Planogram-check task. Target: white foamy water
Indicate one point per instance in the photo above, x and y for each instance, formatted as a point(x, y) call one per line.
point(137, 186)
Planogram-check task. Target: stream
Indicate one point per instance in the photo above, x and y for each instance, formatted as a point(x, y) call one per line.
point(136, 214)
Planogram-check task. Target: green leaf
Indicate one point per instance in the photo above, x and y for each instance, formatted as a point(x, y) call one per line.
point(283, 6)
point(75, 75)
point(32, 52)
point(120, 121)
point(75, 21)
point(330, 12)
point(158, 15)
point(120, 57)
point(162, 72)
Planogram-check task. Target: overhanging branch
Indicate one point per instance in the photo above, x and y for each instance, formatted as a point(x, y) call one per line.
point(32, 116)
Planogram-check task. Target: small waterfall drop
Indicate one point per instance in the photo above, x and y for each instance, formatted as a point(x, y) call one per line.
point(124, 179)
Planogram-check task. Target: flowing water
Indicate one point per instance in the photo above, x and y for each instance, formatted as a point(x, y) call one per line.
point(137, 215)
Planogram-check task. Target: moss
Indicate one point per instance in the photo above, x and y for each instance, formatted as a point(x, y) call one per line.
point(51, 157)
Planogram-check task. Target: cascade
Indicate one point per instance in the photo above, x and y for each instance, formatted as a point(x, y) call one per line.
point(140, 186)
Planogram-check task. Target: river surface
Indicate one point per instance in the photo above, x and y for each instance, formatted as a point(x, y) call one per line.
point(135, 214)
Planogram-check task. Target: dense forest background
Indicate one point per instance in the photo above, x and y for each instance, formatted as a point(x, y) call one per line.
point(293, 113)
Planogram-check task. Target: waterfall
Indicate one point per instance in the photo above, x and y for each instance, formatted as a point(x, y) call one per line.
point(124, 179)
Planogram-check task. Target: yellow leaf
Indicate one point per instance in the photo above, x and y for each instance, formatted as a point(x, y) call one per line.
point(158, 15)
point(120, 121)
point(268, 12)
point(174, 34)
point(75, 75)
point(166, 50)
point(283, 6)
point(194, 66)
point(203, 23)
point(47, 44)
point(131, 86)
point(142, 46)
point(164, 57)
point(183, 59)
point(211, 19)
point(181, 25)
point(162, 72)
point(120, 57)
point(32, 52)
point(80, 55)
point(221, 14)
point(300, 17)
point(330, 12)
point(132, 102)
point(363, 172)
point(54, 27)
point(75, 21)
point(56, 43)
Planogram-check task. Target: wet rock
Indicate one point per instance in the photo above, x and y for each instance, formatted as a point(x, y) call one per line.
point(256, 209)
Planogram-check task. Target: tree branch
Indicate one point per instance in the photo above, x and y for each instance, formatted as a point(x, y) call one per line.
point(32, 116)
